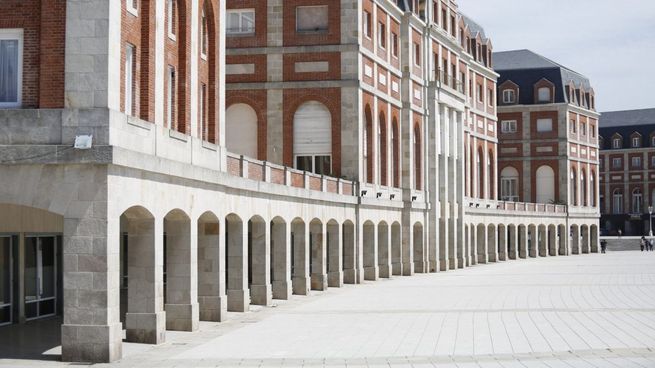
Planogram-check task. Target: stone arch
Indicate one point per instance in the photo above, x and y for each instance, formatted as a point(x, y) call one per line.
point(241, 130)
point(584, 239)
point(575, 239)
point(259, 261)
point(545, 184)
point(492, 243)
point(542, 240)
point(350, 256)
point(502, 248)
point(553, 239)
point(312, 138)
point(481, 238)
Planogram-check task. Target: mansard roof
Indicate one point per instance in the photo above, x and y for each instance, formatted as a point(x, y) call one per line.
point(625, 124)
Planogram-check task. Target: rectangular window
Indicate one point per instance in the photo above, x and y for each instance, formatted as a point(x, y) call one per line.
point(509, 189)
point(544, 125)
point(318, 164)
point(490, 97)
point(202, 107)
point(652, 161)
point(171, 98)
point(417, 54)
point(171, 17)
point(583, 129)
point(367, 24)
point(480, 97)
point(573, 126)
point(204, 36)
point(636, 161)
point(616, 163)
point(394, 45)
point(133, 7)
point(382, 36)
point(312, 18)
point(635, 142)
point(509, 95)
point(130, 52)
point(240, 22)
point(11, 67)
point(508, 126)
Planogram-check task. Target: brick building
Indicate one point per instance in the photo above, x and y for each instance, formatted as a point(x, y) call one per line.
point(627, 170)
point(164, 162)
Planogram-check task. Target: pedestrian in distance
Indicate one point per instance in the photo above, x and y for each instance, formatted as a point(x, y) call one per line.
point(603, 245)
point(620, 232)
point(642, 243)
point(650, 245)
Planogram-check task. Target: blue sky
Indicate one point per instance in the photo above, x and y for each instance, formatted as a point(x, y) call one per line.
point(611, 42)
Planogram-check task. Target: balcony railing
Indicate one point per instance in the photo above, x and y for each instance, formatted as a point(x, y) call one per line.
point(263, 171)
point(536, 208)
point(447, 80)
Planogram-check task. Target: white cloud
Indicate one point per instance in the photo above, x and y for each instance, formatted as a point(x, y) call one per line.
point(612, 43)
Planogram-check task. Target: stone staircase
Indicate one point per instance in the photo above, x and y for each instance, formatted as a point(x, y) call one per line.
point(625, 243)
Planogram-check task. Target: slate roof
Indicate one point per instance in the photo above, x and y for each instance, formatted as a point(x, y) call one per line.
point(474, 27)
point(626, 123)
point(526, 68)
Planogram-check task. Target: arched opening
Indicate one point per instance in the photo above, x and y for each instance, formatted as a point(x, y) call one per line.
point(334, 254)
point(418, 155)
point(317, 255)
point(545, 178)
point(207, 126)
point(367, 146)
point(617, 201)
point(420, 257)
point(395, 154)
point(259, 262)
point(480, 174)
point(312, 138)
point(573, 200)
point(382, 149)
point(637, 201)
point(241, 130)
point(142, 278)
point(492, 244)
point(211, 292)
point(300, 278)
point(384, 250)
point(180, 293)
point(396, 249)
point(369, 238)
point(509, 184)
point(350, 274)
point(481, 238)
point(583, 188)
point(280, 259)
point(236, 264)
point(533, 241)
point(592, 189)
point(523, 241)
point(491, 174)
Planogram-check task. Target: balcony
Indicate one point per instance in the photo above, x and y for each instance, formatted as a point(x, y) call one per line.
point(445, 80)
point(517, 208)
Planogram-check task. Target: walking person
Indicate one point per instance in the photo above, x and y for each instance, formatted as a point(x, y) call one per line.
point(603, 245)
point(642, 243)
point(650, 244)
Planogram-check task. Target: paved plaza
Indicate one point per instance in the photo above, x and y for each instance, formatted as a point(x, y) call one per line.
point(580, 311)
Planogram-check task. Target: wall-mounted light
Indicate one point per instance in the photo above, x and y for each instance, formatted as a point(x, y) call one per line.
point(414, 198)
point(378, 195)
point(364, 192)
point(392, 196)
point(477, 205)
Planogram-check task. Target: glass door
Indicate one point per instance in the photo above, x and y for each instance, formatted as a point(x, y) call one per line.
point(5, 280)
point(40, 276)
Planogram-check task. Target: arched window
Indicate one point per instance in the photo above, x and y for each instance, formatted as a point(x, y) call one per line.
point(637, 201)
point(574, 188)
point(480, 167)
point(490, 175)
point(241, 130)
point(312, 138)
point(204, 34)
point(545, 179)
point(543, 94)
point(367, 147)
point(509, 184)
point(382, 149)
point(583, 188)
point(418, 172)
point(395, 151)
point(592, 189)
point(617, 201)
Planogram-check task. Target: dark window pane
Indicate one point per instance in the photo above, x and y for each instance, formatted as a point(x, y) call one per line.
point(304, 163)
point(323, 165)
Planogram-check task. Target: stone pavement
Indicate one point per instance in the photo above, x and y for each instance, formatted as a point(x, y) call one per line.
point(578, 311)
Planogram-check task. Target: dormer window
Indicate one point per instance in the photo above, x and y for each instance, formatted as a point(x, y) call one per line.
point(543, 94)
point(509, 96)
point(616, 143)
point(636, 142)
point(652, 141)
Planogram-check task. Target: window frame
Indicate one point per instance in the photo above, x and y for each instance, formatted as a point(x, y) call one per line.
point(129, 6)
point(313, 156)
point(509, 124)
point(509, 92)
point(204, 35)
point(636, 142)
point(550, 94)
point(367, 20)
point(170, 19)
point(128, 80)
point(417, 54)
point(15, 34)
point(635, 161)
point(617, 162)
point(544, 120)
point(315, 31)
point(240, 11)
point(616, 143)
point(171, 74)
point(394, 45)
point(382, 35)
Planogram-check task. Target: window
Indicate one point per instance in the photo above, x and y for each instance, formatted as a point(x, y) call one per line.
point(509, 96)
point(170, 108)
point(417, 54)
point(616, 143)
point(652, 161)
point(171, 17)
point(130, 52)
point(509, 184)
point(312, 18)
point(544, 125)
point(545, 184)
point(453, 29)
point(583, 129)
point(617, 163)
point(480, 97)
point(394, 45)
point(508, 126)
point(367, 24)
point(636, 161)
point(636, 142)
point(382, 35)
point(573, 126)
point(202, 106)
point(543, 94)
point(11, 67)
point(490, 97)
point(637, 201)
point(617, 204)
point(240, 21)
point(312, 143)
point(204, 35)
point(652, 141)
point(133, 7)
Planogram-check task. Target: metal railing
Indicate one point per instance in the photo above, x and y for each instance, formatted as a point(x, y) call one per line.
point(448, 80)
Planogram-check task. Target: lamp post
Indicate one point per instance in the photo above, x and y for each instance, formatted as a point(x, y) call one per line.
point(650, 220)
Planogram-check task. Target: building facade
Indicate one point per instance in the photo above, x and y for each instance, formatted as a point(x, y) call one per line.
point(627, 164)
point(164, 162)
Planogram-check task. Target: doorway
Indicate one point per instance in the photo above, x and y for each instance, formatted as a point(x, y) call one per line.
point(40, 276)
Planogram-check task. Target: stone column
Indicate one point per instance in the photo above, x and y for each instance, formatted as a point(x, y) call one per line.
point(492, 244)
point(474, 244)
point(238, 294)
point(369, 240)
point(212, 300)
point(502, 241)
point(181, 273)
point(384, 251)
point(584, 247)
point(482, 244)
point(407, 246)
point(552, 240)
point(543, 241)
point(563, 237)
point(281, 260)
point(300, 250)
point(396, 250)
point(533, 241)
point(335, 255)
point(318, 256)
point(260, 263)
point(513, 242)
point(349, 254)
point(575, 240)
point(523, 242)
